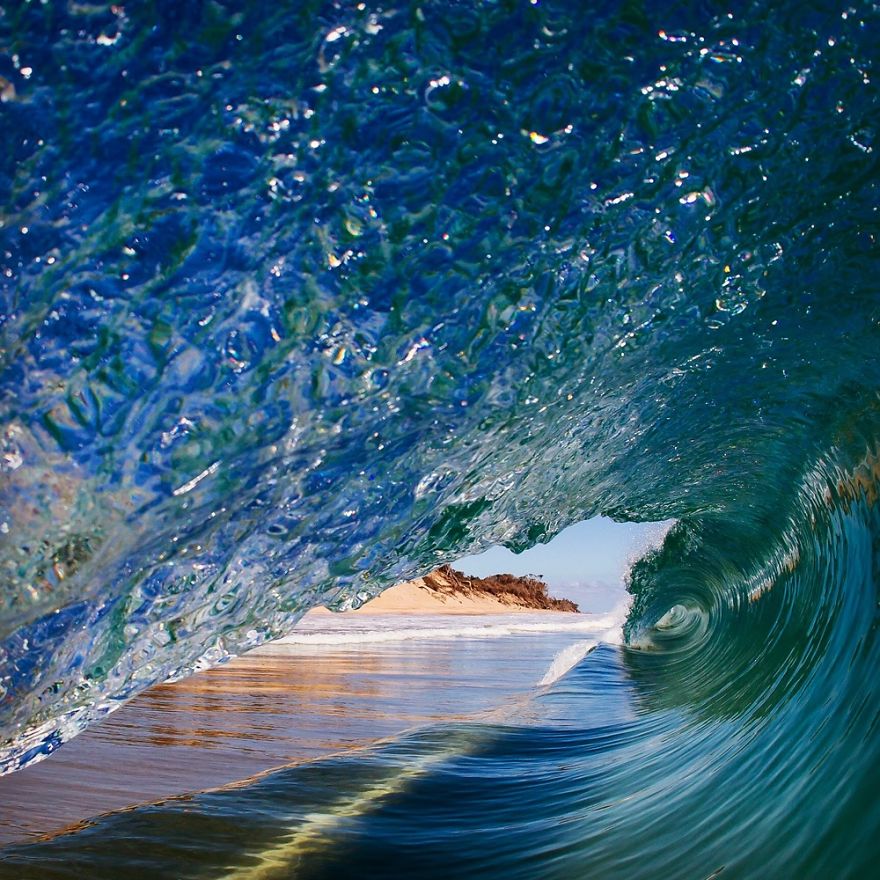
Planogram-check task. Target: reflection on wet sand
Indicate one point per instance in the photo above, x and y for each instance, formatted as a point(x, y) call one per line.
point(261, 711)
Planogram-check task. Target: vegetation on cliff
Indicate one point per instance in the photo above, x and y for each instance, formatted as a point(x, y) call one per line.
point(527, 592)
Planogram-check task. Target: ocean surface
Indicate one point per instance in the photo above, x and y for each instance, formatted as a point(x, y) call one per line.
point(298, 301)
point(333, 685)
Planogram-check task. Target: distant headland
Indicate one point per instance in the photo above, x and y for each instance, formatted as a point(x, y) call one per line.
point(447, 591)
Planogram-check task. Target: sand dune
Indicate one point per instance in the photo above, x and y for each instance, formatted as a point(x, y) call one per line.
point(447, 591)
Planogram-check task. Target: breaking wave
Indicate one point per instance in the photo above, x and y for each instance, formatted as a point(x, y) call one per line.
point(295, 306)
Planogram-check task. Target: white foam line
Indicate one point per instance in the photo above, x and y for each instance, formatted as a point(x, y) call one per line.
point(571, 655)
point(338, 637)
point(566, 659)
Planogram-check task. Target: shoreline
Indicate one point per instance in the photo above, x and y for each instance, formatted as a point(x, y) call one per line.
point(270, 709)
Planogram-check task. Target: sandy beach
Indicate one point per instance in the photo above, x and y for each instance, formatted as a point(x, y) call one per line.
point(416, 597)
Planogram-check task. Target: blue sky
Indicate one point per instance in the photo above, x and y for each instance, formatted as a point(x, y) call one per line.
point(586, 562)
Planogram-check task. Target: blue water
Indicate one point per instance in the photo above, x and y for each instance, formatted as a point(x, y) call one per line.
point(333, 685)
point(298, 301)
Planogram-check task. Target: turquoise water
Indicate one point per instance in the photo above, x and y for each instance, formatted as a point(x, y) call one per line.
point(301, 301)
